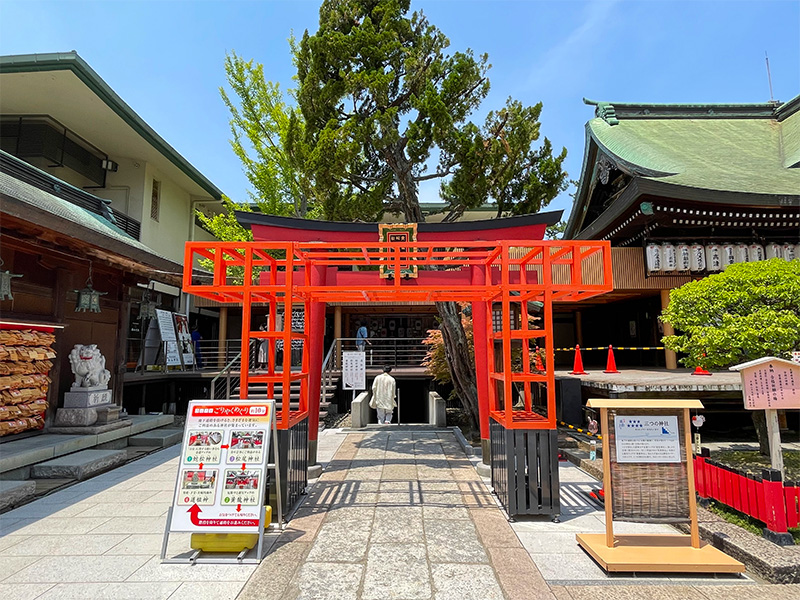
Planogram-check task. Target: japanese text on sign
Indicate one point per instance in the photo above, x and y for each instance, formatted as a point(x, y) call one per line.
point(223, 467)
point(771, 386)
point(354, 371)
point(647, 439)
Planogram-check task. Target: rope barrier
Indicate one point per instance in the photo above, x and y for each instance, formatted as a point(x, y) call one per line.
point(614, 347)
point(583, 431)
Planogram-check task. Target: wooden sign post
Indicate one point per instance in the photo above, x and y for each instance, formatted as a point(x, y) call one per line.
point(648, 476)
point(771, 384)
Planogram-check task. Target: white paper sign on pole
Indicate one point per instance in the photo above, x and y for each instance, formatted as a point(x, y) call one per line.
point(354, 371)
point(647, 439)
point(223, 468)
point(166, 328)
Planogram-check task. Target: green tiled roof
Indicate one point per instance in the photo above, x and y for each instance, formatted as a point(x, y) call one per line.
point(748, 154)
point(736, 154)
point(28, 202)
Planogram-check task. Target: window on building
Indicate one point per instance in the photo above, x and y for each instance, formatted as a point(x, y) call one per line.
point(155, 201)
point(45, 143)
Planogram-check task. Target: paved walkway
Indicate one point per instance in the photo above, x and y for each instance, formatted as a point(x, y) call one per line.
point(396, 514)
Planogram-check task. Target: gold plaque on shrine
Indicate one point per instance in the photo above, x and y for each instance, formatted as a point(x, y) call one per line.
point(402, 233)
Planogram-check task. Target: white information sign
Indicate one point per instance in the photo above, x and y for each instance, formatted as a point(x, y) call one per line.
point(354, 371)
point(223, 469)
point(166, 328)
point(647, 439)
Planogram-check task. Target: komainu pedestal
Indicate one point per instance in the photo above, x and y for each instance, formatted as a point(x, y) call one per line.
point(88, 406)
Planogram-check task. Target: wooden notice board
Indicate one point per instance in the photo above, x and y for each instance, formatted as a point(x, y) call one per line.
point(649, 473)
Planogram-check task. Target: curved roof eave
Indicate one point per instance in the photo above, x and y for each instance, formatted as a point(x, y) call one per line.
point(579, 203)
point(71, 61)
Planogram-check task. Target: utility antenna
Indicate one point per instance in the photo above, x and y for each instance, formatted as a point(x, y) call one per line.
point(769, 77)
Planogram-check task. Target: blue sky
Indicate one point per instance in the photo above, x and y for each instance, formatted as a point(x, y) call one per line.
point(165, 59)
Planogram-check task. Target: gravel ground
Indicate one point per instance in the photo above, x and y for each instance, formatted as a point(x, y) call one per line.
point(337, 421)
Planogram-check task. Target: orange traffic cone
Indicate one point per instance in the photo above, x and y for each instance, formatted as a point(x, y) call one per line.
point(700, 370)
point(611, 365)
point(577, 369)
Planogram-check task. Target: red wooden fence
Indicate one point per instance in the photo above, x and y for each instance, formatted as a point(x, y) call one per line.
point(766, 498)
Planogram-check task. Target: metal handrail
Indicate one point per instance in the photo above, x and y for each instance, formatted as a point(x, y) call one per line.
point(226, 372)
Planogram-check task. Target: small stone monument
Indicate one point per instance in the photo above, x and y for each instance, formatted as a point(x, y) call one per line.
point(88, 406)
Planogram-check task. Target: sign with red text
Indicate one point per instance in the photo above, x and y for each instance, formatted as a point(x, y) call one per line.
point(223, 466)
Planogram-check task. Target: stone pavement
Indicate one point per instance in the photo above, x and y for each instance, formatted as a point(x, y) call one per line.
point(397, 514)
point(102, 538)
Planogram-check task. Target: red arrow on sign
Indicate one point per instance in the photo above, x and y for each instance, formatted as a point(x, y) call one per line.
point(201, 465)
point(238, 508)
point(224, 446)
point(242, 466)
point(195, 510)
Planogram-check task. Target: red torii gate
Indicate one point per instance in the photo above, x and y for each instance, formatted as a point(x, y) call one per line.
point(295, 261)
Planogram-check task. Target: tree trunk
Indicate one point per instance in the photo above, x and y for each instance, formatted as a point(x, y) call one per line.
point(760, 422)
point(461, 363)
point(456, 349)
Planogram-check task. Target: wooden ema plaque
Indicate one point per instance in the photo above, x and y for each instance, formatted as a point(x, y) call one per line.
point(648, 449)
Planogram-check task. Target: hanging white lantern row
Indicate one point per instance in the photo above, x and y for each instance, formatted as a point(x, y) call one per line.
point(728, 255)
point(653, 255)
point(788, 252)
point(755, 252)
point(669, 259)
point(683, 253)
point(697, 258)
point(774, 250)
point(740, 253)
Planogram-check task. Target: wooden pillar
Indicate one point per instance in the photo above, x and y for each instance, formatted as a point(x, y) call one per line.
point(669, 355)
point(64, 282)
point(223, 337)
point(607, 479)
point(693, 526)
point(121, 361)
point(337, 333)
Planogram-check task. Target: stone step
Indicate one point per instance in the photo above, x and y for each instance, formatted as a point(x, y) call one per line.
point(80, 465)
point(580, 458)
point(14, 493)
point(160, 438)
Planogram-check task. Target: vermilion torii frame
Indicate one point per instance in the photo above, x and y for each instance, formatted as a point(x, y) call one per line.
point(494, 276)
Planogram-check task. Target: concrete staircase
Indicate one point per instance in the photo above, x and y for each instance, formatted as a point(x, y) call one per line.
point(258, 391)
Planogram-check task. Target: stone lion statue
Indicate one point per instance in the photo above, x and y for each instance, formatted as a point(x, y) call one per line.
point(88, 366)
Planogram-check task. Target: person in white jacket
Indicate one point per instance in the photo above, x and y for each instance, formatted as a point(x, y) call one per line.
point(384, 389)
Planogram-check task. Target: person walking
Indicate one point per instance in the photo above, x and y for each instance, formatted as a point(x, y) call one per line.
point(384, 389)
point(263, 349)
point(361, 337)
point(196, 337)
